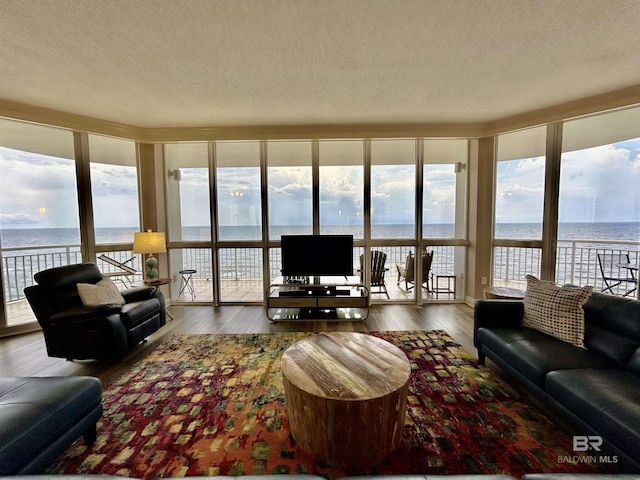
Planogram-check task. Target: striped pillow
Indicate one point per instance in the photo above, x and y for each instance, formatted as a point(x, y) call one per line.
point(556, 311)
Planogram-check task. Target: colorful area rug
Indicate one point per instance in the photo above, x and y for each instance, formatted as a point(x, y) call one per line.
point(215, 405)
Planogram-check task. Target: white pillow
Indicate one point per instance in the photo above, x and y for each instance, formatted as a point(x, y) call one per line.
point(105, 291)
point(556, 311)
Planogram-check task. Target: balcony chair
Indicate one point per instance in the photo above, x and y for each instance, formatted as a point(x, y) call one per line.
point(378, 270)
point(84, 316)
point(407, 270)
point(124, 275)
point(611, 265)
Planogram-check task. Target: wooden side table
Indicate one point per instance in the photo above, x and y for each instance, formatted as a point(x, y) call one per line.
point(346, 396)
point(156, 283)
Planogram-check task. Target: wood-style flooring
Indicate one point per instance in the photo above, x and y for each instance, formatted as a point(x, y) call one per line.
point(25, 355)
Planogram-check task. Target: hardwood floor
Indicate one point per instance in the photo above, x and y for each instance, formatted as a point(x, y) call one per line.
point(25, 355)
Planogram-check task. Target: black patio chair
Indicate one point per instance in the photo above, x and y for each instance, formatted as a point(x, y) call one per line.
point(612, 269)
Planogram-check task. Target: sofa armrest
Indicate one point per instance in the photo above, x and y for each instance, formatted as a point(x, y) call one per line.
point(493, 313)
point(137, 294)
point(85, 312)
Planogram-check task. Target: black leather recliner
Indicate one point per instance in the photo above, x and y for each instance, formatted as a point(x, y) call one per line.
point(73, 330)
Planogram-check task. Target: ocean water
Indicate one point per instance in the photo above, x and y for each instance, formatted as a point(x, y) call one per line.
point(26, 251)
point(24, 238)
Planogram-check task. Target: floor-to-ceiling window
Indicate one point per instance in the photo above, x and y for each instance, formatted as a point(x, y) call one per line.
point(114, 189)
point(444, 221)
point(289, 188)
point(39, 220)
point(342, 187)
point(393, 186)
point(599, 202)
point(289, 194)
point(393, 208)
point(341, 191)
point(216, 221)
point(239, 214)
point(188, 196)
point(114, 194)
point(519, 201)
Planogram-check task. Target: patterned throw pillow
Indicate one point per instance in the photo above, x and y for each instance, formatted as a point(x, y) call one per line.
point(105, 291)
point(554, 310)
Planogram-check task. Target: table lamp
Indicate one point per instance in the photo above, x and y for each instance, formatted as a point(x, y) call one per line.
point(149, 242)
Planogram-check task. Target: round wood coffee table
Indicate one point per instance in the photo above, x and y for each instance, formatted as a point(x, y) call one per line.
point(346, 395)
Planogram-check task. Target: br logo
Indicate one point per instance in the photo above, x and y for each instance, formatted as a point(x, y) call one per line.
point(584, 443)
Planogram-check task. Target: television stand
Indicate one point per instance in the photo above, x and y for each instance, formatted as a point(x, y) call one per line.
point(320, 298)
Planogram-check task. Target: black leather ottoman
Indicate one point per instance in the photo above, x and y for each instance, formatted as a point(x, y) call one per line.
point(40, 417)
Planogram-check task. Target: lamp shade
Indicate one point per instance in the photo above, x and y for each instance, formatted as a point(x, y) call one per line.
point(149, 242)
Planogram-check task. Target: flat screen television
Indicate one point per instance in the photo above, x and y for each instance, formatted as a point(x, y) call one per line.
point(316, 255)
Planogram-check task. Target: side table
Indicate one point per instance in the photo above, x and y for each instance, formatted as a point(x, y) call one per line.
point(186, 282)
point(156, 283)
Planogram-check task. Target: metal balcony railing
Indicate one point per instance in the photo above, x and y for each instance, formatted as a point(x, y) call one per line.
point(19, 264)
point(576, 262)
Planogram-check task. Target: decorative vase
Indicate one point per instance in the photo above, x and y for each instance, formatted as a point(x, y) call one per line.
point(151, 264)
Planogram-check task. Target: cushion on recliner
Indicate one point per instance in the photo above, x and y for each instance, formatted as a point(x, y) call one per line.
point(105, 291)
point(597, 396)
point(534, 353)
point(133, 314)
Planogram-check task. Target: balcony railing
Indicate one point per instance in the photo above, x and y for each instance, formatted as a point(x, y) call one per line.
point(18, 268)
point(576, 262)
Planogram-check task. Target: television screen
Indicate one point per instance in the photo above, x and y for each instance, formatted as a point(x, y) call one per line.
point(315, 255)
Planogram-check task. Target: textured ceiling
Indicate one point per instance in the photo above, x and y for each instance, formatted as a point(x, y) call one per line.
point(197, 63)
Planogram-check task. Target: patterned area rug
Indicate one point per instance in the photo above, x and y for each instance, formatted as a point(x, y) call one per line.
point(215, 405)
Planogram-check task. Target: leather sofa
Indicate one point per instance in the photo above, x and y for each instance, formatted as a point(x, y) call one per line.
point(597, 388)
point(73, 330)
point(40, 417)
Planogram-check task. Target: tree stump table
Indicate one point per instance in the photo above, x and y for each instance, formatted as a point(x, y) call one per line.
point(346, 396)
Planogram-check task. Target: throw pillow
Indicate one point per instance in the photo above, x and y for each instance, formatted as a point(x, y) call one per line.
point(556, 311)
point(105, 291)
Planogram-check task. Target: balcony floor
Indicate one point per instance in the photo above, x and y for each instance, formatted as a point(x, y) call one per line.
point(233, 291)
